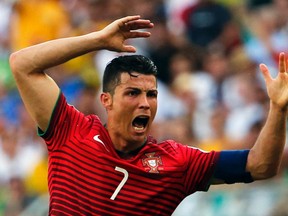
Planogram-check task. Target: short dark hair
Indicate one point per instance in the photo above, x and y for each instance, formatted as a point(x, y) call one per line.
point(126, 64)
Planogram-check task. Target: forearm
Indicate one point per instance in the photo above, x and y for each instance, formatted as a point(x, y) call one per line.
point(42, 56)
point(39, 57)
point(38, 91)
point(265, 156)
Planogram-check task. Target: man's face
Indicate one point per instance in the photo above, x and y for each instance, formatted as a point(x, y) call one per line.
point(133, 108)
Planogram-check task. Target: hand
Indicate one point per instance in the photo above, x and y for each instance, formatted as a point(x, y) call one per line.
point(277, 88)
point(115, 34)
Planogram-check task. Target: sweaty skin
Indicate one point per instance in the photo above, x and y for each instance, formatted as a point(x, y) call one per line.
point(39, 92)
point(134, 96)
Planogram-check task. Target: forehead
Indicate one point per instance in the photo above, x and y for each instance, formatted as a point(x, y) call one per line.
point(137, 80)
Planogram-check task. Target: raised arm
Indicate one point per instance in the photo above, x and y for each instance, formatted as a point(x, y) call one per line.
point(38, 91)
point(265, 156)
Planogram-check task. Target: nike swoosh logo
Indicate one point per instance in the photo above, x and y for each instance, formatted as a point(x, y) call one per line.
point(96, 138)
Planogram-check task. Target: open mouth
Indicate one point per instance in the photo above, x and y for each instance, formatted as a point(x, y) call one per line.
point(140, 122)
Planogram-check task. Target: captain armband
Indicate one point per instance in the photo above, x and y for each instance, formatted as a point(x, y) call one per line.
point(231, 167)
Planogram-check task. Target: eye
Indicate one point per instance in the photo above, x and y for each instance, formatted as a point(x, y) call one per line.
point(133, 93)
point(152, 94)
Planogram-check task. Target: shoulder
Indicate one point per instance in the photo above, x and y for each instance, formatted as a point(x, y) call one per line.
point(175, 148)
point(68, 116)
point(179, 148)
point(64, 107)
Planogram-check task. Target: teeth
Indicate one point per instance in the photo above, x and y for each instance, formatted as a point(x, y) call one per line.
point(138, 128)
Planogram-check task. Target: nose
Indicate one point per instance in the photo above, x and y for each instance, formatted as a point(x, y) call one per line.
point(144, 103)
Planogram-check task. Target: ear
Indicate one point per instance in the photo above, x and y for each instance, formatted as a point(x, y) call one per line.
point(106, 100)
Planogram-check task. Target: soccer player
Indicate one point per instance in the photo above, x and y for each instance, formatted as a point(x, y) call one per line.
point(116, 168)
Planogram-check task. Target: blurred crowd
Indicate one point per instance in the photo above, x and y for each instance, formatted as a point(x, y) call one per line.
point(211, 92)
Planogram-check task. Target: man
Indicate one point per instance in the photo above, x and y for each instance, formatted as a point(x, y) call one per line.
point(116, 168)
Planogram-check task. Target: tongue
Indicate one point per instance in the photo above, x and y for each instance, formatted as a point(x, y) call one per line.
point(138, 124)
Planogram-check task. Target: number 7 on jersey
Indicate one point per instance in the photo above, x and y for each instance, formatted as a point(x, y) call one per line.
point(119, 169)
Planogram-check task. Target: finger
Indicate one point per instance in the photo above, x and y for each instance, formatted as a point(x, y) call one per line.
point(138, 34)
point(129, 19)
point(265, 72)
point(129, 48)
point(282, 63)
point(139, 24)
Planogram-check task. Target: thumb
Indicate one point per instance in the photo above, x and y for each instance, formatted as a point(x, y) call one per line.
point(129, 48)
point(265, 73)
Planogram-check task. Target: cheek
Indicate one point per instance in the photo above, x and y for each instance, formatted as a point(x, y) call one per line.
point(123, 109)
point(153, 107)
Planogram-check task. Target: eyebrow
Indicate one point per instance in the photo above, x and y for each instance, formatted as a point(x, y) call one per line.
point(136, 88)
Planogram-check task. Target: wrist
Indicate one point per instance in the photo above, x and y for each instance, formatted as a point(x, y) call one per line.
point(277, 108)
point(95, 41)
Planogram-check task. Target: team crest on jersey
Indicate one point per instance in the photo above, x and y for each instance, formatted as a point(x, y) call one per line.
point(152, 162)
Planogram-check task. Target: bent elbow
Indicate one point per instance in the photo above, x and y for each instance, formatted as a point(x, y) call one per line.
point(12, 62)
point(261, 166)
point(15, 62)
point(265, 172)
point(21, 64)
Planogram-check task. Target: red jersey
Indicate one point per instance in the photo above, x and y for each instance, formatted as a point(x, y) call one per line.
point(88, 177)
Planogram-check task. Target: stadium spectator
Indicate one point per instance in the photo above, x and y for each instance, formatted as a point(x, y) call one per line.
point(205, 16)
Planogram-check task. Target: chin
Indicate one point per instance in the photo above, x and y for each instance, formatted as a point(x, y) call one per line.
point(139, 138)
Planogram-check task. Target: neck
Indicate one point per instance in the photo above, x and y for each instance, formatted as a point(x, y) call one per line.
point(130, 154)
point(125, 146)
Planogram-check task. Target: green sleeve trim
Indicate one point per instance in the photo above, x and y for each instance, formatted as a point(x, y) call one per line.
point(40, 132)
